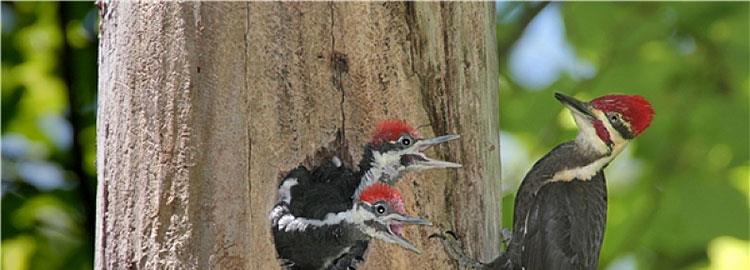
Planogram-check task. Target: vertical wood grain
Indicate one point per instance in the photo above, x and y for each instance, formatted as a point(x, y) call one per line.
point(202, 107)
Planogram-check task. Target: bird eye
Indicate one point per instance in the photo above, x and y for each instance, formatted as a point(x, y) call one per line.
point(380, 209)
point(613, 117)
point(405, 140)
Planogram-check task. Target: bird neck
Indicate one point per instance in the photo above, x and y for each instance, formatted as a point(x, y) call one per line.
point(358, 227)
point(365, 164)
point(376, 167)
point(596, 159)
point(367, 178)
point(589, 143)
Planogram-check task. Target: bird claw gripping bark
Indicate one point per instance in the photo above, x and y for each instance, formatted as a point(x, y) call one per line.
point(455, 250)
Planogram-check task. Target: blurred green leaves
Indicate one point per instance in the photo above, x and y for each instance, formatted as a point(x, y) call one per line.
point(690, 60)
point(46, 216)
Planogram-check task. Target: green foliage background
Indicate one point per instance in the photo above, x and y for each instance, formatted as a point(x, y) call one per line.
point(686, 208)
point(48, 134)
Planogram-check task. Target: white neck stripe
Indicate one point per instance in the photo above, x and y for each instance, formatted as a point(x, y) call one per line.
point(584, 173)
point(285, 191)
point(289, 223)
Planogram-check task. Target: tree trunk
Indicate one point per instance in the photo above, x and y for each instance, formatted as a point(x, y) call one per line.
point(203, 106)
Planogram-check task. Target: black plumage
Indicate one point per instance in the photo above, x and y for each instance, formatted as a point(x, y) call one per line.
point(566, 226)
point(325, 190)
point(331, 188)
point(561, 206)
point(566, 219)
point(557, 224)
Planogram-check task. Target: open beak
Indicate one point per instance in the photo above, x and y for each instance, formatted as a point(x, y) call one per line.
point(575, 105)
point(394, 230)
point(425, 144)
point(419, 161)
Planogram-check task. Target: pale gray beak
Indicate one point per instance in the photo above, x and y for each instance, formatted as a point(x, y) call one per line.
point(404, 219)
point(393, 233)
point(419, 161)
point(425, 144)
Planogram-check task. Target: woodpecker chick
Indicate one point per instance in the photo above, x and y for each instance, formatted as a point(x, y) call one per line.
point(396, 147)
point(306, 239)
point(561, 206)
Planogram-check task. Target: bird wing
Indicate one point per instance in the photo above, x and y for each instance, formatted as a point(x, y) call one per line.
point(302, 195)
point(341, 177)
point(564, 225)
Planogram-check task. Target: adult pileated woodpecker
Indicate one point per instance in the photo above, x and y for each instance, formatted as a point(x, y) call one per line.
point(561, 206)
point(394, 148)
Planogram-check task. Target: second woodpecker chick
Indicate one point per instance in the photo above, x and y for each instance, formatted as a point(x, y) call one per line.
point(317, 237)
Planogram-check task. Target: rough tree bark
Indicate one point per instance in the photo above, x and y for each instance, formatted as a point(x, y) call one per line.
point(203, 105)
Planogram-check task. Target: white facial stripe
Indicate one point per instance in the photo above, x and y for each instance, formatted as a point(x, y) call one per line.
point(587, 138)
point(625, 123)
point(587, 134)
point(614, 135)
point(386, 165)
point(360, 214)
point(389, 162)
point(382, 159)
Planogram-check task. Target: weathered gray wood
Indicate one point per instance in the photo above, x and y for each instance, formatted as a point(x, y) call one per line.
point(203, 105)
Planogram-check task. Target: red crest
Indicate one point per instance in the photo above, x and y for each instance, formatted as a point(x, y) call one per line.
point(383, 192)
point(633, 108)
point(391, 130)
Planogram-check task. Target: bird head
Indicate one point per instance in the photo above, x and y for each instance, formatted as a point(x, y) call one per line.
point(396, 146)
point(608, 122)
point(379, 213)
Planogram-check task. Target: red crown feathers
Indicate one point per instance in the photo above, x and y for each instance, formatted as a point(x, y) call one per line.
point(391, 130)
point(634, 109)
point(383, 192)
